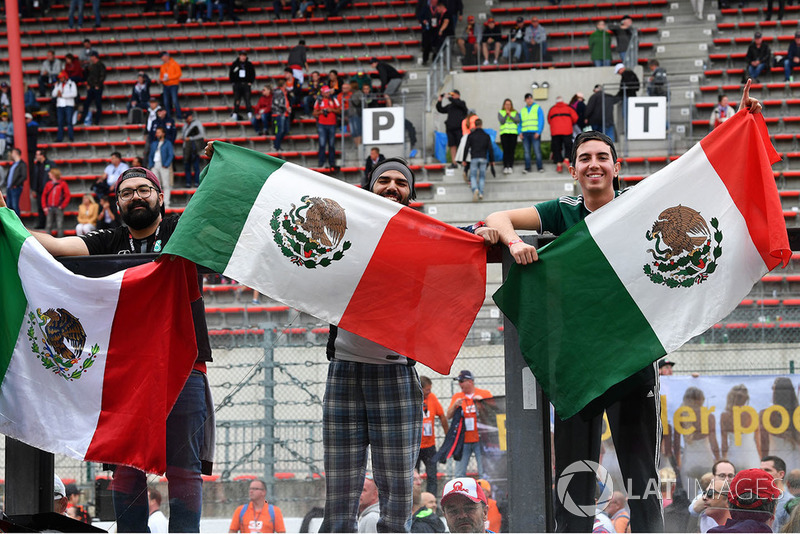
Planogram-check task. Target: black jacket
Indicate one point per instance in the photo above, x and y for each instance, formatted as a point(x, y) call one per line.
point(426, 520)
point(594, 109)
point(456, 112)
point(629, 84)
point(249, 75)
point(453, 444)
point(39, 175)
point(20, 175)
point(479, 145)
point(385, 73)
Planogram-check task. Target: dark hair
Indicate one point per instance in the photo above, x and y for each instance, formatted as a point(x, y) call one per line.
point(425, 381)
point(743, 510)
point(591, 136)
point(153, 493)
point(478, 123)
point(17, 150)
point(778, 462)
point(528, 95)
point(42, 150)
point(117, 154)
point(720, 97)
point(653, 63)
point(87, 41)
point(301, 41)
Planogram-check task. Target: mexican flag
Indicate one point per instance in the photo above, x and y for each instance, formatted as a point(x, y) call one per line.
point(90, 367)
point(655, 267)
point(346, 256)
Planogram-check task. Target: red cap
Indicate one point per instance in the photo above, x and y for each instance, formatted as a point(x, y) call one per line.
point(471, 18)
point(751, 488)
point(325, 89)
point(138, 172)
point(466, 486)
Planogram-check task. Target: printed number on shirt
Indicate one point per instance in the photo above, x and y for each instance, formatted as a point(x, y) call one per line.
point(427, 428)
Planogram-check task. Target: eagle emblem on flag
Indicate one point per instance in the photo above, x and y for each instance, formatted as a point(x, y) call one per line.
point(62, 342)
point(312, 233)
point(685, 249)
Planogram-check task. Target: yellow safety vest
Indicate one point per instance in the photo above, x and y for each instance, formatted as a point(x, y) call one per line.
point(530, 119)
point(509, 126)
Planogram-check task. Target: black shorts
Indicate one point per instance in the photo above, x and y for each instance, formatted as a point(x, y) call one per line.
point(453, 136)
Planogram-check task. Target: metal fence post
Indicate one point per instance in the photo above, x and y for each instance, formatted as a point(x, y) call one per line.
point(268, 364)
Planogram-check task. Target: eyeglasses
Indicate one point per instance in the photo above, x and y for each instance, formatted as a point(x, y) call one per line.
point(723, 476)
point(143, 191)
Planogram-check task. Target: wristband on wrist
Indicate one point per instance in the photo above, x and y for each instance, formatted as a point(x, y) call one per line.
point(514, 242)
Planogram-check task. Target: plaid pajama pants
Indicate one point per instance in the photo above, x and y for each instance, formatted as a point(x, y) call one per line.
point(379, 406)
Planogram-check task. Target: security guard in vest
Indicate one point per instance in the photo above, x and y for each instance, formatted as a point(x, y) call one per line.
point(532, 117)
point(509, 120)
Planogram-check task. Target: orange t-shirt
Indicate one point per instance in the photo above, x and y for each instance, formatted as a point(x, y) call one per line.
point(495, 517)
point(470, 413)
point(431, 409)
point(261, 522)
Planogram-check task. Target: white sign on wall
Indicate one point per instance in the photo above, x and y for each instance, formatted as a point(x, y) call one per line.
point(383, 126)
point(647, 117)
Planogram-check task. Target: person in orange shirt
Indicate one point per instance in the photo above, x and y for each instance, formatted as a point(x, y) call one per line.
point(257, 515)
point(169, 76)
point(466, 401)
point(431, 409)
point(495, 518)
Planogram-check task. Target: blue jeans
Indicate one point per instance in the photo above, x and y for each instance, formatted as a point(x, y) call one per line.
point(756, 71)
point(528, 141)
point(510, 47)
point(75, 4)
point(185, 485)
point(14, 194)
point(327, 140)
point(355, 125)
point(281, 125)
point(788, 65)
point(602, 62)
point(64, 114)
point(171, 100)
point(261, 123)
point(96, 96)
point(469, 449)
point(477, 174)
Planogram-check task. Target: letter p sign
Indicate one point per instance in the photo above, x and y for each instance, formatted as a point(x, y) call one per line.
point(383, 126)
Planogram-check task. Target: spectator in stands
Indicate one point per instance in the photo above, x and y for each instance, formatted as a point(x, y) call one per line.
point(56, 199)
point(792, 60)
point(327, 111)
point(627, 41)
point(315, 83)
point(784, 511)
point(424, 518)
point(494, 517)
point(262, 118)
point(535, 43)
point(65, 91)
point(152, 114)
point(193, 136)
point(242, 74)
point(5, 96)
point(86, 54)
point(657, 81)
point(431, 410)
point(88, 212)
point(628, 87)
point(140, 99)
point(163, 121)
point(758, 57)
point(32, 135)
point(31, 105)
point(162, 154)
point(515, 40)
point(292, 91)
point(105, 184)
point(711, 494)
point(334, 82)
point(279, 5)
point(39, 177)
point(446, 26)
point(60, 500)
point(781, 7)
point(465, 399)
point(752, 499)
point(257, 515)
point(455, 9)
point(374, 158)
point(600, 45)
point(531, 128)
point(490, 43)
point(721, 112)
point(577, 103)
point(73, 68)
point(298, 62)
point(469, 42)
point(429, 23)
point(95, 79)
point(107, 219)
point(5, 133)
point(359, 101)
point(509, 120)
point(617, 511)
point(456, 111)
point(15, 180)
point(561, 119)
point(335, 7)
point(48, 73)
point(74, 509)
point(697, 6)
point(350, 118)
point(465, 506)
point(600, 112)
point(368, 506)
point(280, 113)
point(136, 161)
point(169, 76)
point(361, 78)
point(776, 467)
point(389, 76)
point(157, 522)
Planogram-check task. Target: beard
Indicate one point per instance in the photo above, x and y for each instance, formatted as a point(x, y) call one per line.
point(140, 219)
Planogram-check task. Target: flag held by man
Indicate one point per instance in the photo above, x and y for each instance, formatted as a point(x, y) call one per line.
point(647, 272)
point(373, 267)
point(87, 363)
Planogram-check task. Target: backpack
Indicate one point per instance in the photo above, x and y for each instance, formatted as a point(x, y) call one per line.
point(271, 515)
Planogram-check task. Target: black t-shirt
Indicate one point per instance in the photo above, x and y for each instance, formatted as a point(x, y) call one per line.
point(119, 241)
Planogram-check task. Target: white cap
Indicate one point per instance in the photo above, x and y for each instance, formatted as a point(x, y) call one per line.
point(466, 486)
point(59, 491)
point(618, 68)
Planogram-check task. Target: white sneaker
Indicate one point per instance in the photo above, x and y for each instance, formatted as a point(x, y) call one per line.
point(249, 115)
point(234, 116)
point(495, 61)
point(486, 62)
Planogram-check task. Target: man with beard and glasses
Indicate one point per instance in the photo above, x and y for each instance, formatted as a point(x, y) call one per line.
point(141, 202)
